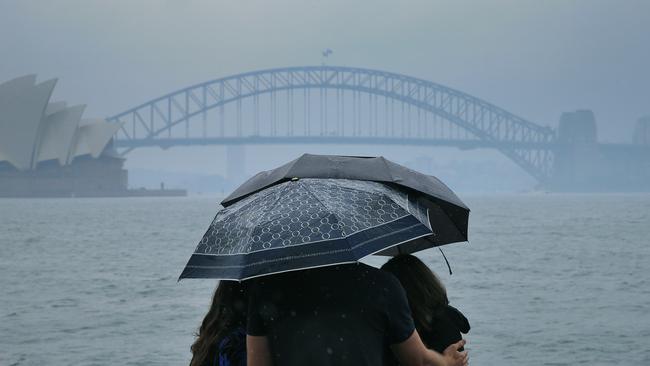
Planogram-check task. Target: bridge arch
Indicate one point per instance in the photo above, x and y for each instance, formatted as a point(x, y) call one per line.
point(526, 143)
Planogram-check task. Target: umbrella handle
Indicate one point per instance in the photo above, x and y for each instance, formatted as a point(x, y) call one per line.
point(446, 261)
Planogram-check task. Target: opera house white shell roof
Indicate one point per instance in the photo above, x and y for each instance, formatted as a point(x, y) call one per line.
point(32, 130)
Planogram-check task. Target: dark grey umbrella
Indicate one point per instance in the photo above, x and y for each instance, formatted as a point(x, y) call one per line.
point(307, 223)
point(447, 212)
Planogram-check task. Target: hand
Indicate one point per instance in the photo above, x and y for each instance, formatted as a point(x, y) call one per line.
point(455, 358)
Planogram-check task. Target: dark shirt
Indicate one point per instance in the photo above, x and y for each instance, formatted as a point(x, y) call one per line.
point(340, 315)
point(446, 329)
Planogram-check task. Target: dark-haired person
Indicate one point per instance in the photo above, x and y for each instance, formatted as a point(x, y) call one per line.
point(438, 323)
point(221, 340)
point(343, 315)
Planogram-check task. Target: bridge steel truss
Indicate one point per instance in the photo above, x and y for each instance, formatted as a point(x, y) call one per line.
point(529, 145)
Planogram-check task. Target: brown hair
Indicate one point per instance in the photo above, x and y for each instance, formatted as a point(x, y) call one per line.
point(425, 293)
point(228, 311)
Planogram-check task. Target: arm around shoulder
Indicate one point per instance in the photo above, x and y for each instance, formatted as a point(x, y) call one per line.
point(258, 352)
point(412, 352)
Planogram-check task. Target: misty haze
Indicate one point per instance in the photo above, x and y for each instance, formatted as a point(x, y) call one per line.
point(136, 138)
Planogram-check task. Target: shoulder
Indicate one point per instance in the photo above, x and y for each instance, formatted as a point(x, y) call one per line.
point(383, 287)
point(389, 281)
point(375, 274)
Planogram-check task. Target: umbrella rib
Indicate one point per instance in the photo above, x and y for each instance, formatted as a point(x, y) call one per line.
point(388, 170)
point(246, 201)
point(455, 225)
point(352, 247)
point(304, 186)
point(346, 237)
point(249, 200)
point(268, 208)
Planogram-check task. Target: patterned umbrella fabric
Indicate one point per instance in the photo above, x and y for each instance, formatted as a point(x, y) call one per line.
point(307, 223)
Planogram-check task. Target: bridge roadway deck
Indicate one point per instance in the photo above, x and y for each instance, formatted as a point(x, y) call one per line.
point(327, 140)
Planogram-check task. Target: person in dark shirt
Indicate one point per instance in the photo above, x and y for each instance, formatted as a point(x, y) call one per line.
point(438, 323)
point(339, 315)
point(221, 340)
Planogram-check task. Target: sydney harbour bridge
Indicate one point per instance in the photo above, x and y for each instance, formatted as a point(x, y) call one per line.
point(334, 105)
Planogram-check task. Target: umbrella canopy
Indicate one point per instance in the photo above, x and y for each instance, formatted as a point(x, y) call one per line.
point(306, 223)
point(377, 169)
point(451, 214)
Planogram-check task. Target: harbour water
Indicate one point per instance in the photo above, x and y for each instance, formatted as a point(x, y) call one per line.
point(546, 279)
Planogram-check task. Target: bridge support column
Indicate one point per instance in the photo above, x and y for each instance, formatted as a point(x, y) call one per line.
point(581, 164)
point(235, 164)
point(576, 157)
point(642, 131)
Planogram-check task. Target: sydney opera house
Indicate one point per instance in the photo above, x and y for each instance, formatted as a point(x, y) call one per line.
point(48, 150)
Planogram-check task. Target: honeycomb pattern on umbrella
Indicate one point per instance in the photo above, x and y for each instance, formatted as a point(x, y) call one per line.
point(305, 211)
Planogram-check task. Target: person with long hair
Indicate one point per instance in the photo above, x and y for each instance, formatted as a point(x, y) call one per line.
point(221, 339)
point(438, 323)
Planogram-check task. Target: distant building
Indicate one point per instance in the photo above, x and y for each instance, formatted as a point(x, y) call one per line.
point(47, 149)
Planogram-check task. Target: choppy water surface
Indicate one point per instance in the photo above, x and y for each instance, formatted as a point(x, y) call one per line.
point(546, 280)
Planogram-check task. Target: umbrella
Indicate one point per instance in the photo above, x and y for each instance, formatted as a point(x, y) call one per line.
point(378, 169)
point(447, 211)
point(312, 222)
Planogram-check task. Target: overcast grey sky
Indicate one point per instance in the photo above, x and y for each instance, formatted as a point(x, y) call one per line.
point(533, 58)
